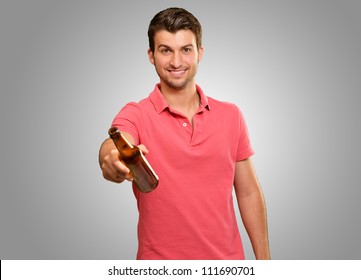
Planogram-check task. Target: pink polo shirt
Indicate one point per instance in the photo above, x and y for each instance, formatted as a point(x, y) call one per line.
point(190, 214)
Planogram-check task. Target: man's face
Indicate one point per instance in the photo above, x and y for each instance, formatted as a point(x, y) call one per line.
point(176, 58)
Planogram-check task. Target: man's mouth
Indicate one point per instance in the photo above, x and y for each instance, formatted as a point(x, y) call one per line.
point(177, 72)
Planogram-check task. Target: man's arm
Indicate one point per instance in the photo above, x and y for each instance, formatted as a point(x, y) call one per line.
point(113, 169)
point(252, 207)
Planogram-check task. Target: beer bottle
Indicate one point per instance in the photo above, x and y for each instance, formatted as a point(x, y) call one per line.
point(132, 157)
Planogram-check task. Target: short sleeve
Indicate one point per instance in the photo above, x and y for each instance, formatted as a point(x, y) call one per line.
point(245, 149)
point(128, 120)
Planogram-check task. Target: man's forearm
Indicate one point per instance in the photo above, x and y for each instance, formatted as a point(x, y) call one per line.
point(253, 213)
point(105, 149)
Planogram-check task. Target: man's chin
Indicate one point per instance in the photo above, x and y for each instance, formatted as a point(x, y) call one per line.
point(179, 85)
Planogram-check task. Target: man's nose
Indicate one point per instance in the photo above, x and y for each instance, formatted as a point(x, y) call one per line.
point(176, 61)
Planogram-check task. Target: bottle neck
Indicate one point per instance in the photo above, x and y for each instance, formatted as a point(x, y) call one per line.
point(119, 140)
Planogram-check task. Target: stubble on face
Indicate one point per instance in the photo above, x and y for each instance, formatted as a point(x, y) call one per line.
point(176, 58)
point(175, 83)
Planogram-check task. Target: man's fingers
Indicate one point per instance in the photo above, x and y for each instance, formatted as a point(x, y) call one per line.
point(113, 169)
point(143, 149)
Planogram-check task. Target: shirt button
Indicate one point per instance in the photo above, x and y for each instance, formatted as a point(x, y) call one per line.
point(184, 124)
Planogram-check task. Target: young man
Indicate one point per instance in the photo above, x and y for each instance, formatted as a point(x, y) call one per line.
point(200, 149)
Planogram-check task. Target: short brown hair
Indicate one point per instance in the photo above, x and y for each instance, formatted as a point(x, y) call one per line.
point(173, 20)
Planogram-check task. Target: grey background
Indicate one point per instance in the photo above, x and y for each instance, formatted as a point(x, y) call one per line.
point(67, 67)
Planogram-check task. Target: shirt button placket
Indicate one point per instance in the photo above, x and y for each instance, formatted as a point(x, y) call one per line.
point(187, 128)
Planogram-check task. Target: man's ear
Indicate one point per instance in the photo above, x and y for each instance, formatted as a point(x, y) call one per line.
point(151, 56)
point(200, 53)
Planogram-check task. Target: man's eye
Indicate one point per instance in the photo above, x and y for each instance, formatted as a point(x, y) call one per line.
point(186, 50)
point(165, 51)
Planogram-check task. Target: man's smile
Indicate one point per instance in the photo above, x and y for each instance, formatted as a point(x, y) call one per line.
point(177, 72)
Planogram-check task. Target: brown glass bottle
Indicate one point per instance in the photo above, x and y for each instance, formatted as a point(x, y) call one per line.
point(143, 175)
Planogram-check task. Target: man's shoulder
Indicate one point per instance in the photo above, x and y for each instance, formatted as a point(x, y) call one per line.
point(222, 105)
point(138, 105)
point(149, 102)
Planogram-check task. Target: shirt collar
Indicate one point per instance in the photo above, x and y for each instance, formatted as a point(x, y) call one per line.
point(160, 104)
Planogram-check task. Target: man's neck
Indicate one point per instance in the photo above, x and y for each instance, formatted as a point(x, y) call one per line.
point(185, 100)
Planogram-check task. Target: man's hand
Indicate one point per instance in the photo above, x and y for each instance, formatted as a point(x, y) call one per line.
point(113, 169)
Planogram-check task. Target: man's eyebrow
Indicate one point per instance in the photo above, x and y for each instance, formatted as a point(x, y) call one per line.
point(168, 47)
point(163, 46)
point(189, 45)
